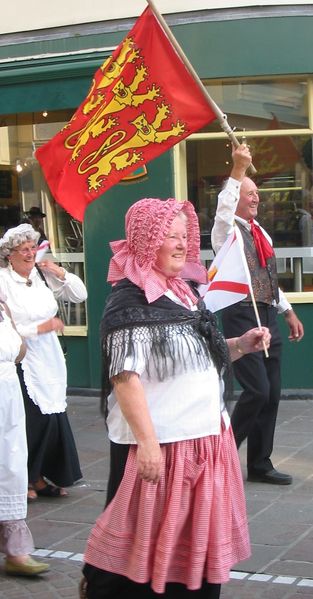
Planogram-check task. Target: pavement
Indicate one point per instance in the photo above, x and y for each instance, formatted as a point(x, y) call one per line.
point(280, 517)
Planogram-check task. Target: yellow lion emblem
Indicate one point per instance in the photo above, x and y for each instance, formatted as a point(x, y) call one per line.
point(111, 69)
point(124, 96)
point(114, 152)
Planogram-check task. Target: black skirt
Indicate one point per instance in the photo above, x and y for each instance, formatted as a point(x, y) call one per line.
point(106, 585)
point(51, 447)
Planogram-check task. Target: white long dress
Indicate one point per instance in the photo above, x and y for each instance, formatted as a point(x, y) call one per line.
point(15, 536)
point(13, 444)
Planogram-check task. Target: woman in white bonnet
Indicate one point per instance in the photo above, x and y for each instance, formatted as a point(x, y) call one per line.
point(31, 296)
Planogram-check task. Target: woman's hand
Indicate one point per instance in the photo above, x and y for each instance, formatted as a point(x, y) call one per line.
point(53, 324)
point(149, 461)
point(52, 268)
point(252, 341)
point(22, 351)
point(255, 340)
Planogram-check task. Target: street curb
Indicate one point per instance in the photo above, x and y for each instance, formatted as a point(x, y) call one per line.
point(83, 391)
point(285, 394)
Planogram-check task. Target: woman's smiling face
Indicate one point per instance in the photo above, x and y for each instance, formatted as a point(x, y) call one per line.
point(22, 258)
point(171, 256)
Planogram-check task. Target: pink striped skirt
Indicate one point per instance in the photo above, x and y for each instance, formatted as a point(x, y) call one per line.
point(190, 527)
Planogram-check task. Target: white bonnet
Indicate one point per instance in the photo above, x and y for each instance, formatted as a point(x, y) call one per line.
point(13, 238)
point(23, 229)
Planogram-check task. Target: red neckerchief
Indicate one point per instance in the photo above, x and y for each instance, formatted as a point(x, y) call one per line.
point(263, 247)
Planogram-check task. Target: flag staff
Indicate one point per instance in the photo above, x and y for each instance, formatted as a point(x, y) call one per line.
point(222, 118)
point(256, 312)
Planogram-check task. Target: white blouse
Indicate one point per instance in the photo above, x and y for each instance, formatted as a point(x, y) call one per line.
point(188, 405)
point(44, 365)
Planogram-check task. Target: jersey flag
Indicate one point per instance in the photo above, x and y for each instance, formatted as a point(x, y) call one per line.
point(229, 277)
point(142, 101)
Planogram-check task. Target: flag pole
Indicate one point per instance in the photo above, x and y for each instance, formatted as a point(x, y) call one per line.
point(222, 118)
point(245, 265)
point(258, 318)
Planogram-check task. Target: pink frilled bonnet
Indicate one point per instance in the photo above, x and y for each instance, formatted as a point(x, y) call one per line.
point(147, 223)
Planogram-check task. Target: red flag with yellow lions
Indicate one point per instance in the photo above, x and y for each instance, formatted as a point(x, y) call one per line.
point(142, 101)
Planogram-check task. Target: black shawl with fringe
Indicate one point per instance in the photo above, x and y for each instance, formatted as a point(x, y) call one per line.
point(162, 326)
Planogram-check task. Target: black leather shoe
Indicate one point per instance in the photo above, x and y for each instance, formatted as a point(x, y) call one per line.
point(272, 477)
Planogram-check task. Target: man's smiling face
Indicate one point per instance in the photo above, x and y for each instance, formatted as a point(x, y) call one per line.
point(249, 200)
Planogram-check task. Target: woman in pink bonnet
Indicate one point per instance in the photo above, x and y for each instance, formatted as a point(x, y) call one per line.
point(175, 518)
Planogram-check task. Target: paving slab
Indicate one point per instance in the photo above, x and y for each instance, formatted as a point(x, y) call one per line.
point(280, 518)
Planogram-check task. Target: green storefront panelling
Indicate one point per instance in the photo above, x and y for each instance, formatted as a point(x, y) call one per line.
point(63, 40)
point(226, 48)
point(296, 357)
point(77, 360)
point(246, 47)
point(249, 47)
point(297, 371)
point(104, 222)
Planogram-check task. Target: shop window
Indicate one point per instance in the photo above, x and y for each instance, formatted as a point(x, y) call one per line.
point(22, 187)
point(261, 105)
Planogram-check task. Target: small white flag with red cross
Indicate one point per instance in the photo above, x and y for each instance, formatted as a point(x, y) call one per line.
point(229, 277)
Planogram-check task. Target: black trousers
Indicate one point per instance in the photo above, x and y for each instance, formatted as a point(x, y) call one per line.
point(255, 413)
